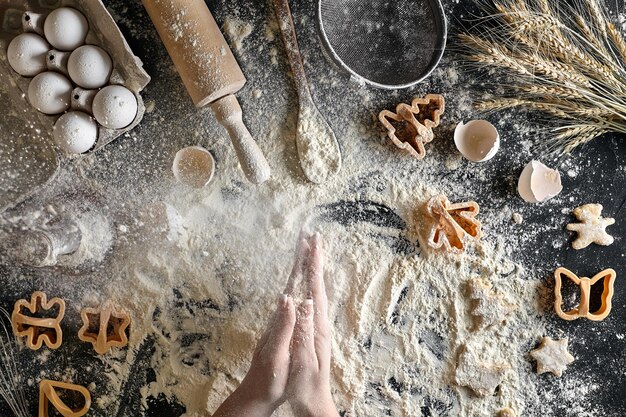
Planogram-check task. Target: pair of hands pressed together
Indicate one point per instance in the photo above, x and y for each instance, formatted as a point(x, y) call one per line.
point(292, 359)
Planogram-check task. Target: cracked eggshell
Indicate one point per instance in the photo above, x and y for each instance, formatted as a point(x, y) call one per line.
point(539, 183)
point(194, 166)
point(477, 140)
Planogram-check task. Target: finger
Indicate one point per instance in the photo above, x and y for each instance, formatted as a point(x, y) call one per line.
point(303, 344)
point(302, 251)
point(315, 273)
point(318, 294)
point(281, 329)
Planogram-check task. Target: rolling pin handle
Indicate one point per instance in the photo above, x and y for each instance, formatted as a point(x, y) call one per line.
point(254, 165)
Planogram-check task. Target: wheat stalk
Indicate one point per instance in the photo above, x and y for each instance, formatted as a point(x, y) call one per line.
point(564, 60)
point(11, 383)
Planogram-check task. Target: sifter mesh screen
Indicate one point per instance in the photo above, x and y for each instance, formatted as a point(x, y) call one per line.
point(391, 43)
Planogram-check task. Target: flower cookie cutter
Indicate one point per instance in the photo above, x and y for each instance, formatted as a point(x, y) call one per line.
point(48, 394)
point(453, 222)
point(39, 330)
point(104, 327)
point(608, 277)
point(416, 123)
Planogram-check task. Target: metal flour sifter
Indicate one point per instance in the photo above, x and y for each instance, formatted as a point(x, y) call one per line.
point(389, 44)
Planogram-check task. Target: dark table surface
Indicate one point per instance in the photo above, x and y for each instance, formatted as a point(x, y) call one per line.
point(600, 347)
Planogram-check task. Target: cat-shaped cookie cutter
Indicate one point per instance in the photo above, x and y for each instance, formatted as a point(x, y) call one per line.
point(608, 275)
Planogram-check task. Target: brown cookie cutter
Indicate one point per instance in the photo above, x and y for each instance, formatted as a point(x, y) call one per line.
point(415, 123)
point(453, 222)
point(38, 330)
point(104, 327)
point(48, 394)
point(608, 277)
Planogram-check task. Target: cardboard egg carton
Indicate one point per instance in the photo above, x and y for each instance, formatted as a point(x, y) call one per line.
point(103, 31)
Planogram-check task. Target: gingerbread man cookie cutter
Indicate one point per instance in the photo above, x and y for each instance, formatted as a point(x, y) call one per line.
point(48, 394)
point(608, 277)
point(39, 330)
point(416, 131)
point(104, 327)
point(453, 222)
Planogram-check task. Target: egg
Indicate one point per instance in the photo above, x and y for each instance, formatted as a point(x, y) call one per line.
point(75, 132)
point(90, 66)
point(539, 183)
point(50, 92)
point(478, 140)
point(66, 28)
point(115, 107)
point(27, 54)
point(194, 166)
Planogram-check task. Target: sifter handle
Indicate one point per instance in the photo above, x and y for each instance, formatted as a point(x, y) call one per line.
point(228, 113)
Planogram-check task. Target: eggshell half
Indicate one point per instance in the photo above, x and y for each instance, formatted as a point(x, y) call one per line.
point(478, 140)
point(539, 183)
point(194, 166)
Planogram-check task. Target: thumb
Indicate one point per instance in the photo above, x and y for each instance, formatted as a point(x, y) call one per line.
point(303, 344)
point(281, 329)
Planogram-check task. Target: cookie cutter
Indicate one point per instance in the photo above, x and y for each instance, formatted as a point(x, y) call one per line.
point(608, 277)
point(104, 327)
point(418, 120)
point(38, 330)
point(48, 395)
point(453, 222)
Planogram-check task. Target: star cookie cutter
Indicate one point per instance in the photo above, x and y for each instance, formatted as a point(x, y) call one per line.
point(413, 132)
point(39, 330)
point(453, 223)
point(48, 394)
point(608, 277)
point(104, 327)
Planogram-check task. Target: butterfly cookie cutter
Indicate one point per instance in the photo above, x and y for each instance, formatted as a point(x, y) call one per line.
point(608, 277)
point(414, 131)
point(453, 222)
point(48, 394)
point(39, 330)
point(104, 327)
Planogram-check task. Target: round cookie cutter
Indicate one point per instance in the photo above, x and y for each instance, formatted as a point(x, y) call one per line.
point(387, 44)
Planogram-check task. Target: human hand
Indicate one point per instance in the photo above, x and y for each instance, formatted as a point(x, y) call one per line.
point(309, 376)
point(264, 386)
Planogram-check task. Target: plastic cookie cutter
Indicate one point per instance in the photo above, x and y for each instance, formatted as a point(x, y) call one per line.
point(608, 277)
point(453, 222)
point(49, 394)
point(39, 330)
point(104, 327)
point(414, 123)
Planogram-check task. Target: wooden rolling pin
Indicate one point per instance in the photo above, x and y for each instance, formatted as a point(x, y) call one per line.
point(209, 71)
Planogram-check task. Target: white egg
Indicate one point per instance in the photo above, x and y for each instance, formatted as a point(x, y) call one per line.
point(115, 107)
point(27, 54)
point(194, 166)
point(478, 140)
point(75, 132)
point(66, 28)
point(90, 66)
point(539, 183)
point(50, 92)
